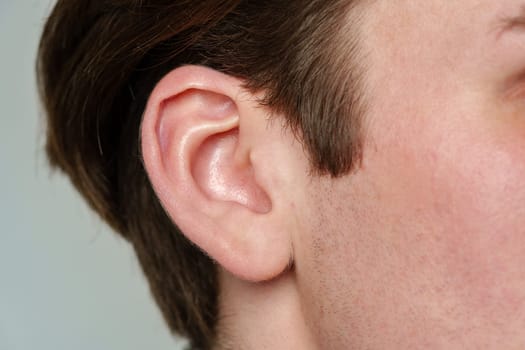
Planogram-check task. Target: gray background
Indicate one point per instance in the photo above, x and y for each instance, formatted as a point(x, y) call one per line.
point(66, 281)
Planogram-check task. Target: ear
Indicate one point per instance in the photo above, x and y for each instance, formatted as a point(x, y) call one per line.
point(203, 144)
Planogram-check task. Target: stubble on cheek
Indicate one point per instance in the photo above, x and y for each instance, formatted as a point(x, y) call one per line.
point(425, 247)
point(475, 217)
point(355, 278)
point(431, 257)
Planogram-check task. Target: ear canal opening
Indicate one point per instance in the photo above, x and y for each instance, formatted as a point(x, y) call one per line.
point(221, 177)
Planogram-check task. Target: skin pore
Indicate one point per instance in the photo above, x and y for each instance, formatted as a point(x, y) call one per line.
point(423, 246)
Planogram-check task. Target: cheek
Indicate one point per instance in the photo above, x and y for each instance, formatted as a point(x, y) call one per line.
point(479, 200)
point(456, 209)
point(430, 234)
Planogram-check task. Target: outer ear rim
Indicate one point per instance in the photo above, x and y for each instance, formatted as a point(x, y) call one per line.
point(172, 84)
point(251, 261)
point(184, 78)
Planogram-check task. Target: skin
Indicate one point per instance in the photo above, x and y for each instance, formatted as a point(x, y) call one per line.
point(423, 247)
point(420, 247)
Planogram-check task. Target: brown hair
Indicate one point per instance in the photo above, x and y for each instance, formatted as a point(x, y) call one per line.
point(99, 60)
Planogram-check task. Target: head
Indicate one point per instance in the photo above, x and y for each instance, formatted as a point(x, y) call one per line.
point(321, 174)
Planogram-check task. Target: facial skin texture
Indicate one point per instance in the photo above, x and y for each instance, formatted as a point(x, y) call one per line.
point(423, 247)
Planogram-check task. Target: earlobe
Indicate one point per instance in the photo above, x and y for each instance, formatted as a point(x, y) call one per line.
point(201, 168)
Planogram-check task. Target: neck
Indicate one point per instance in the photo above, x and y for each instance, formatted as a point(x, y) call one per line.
point(265, 315)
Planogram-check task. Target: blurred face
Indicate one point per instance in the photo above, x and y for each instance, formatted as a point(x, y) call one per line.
point(424, 246)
